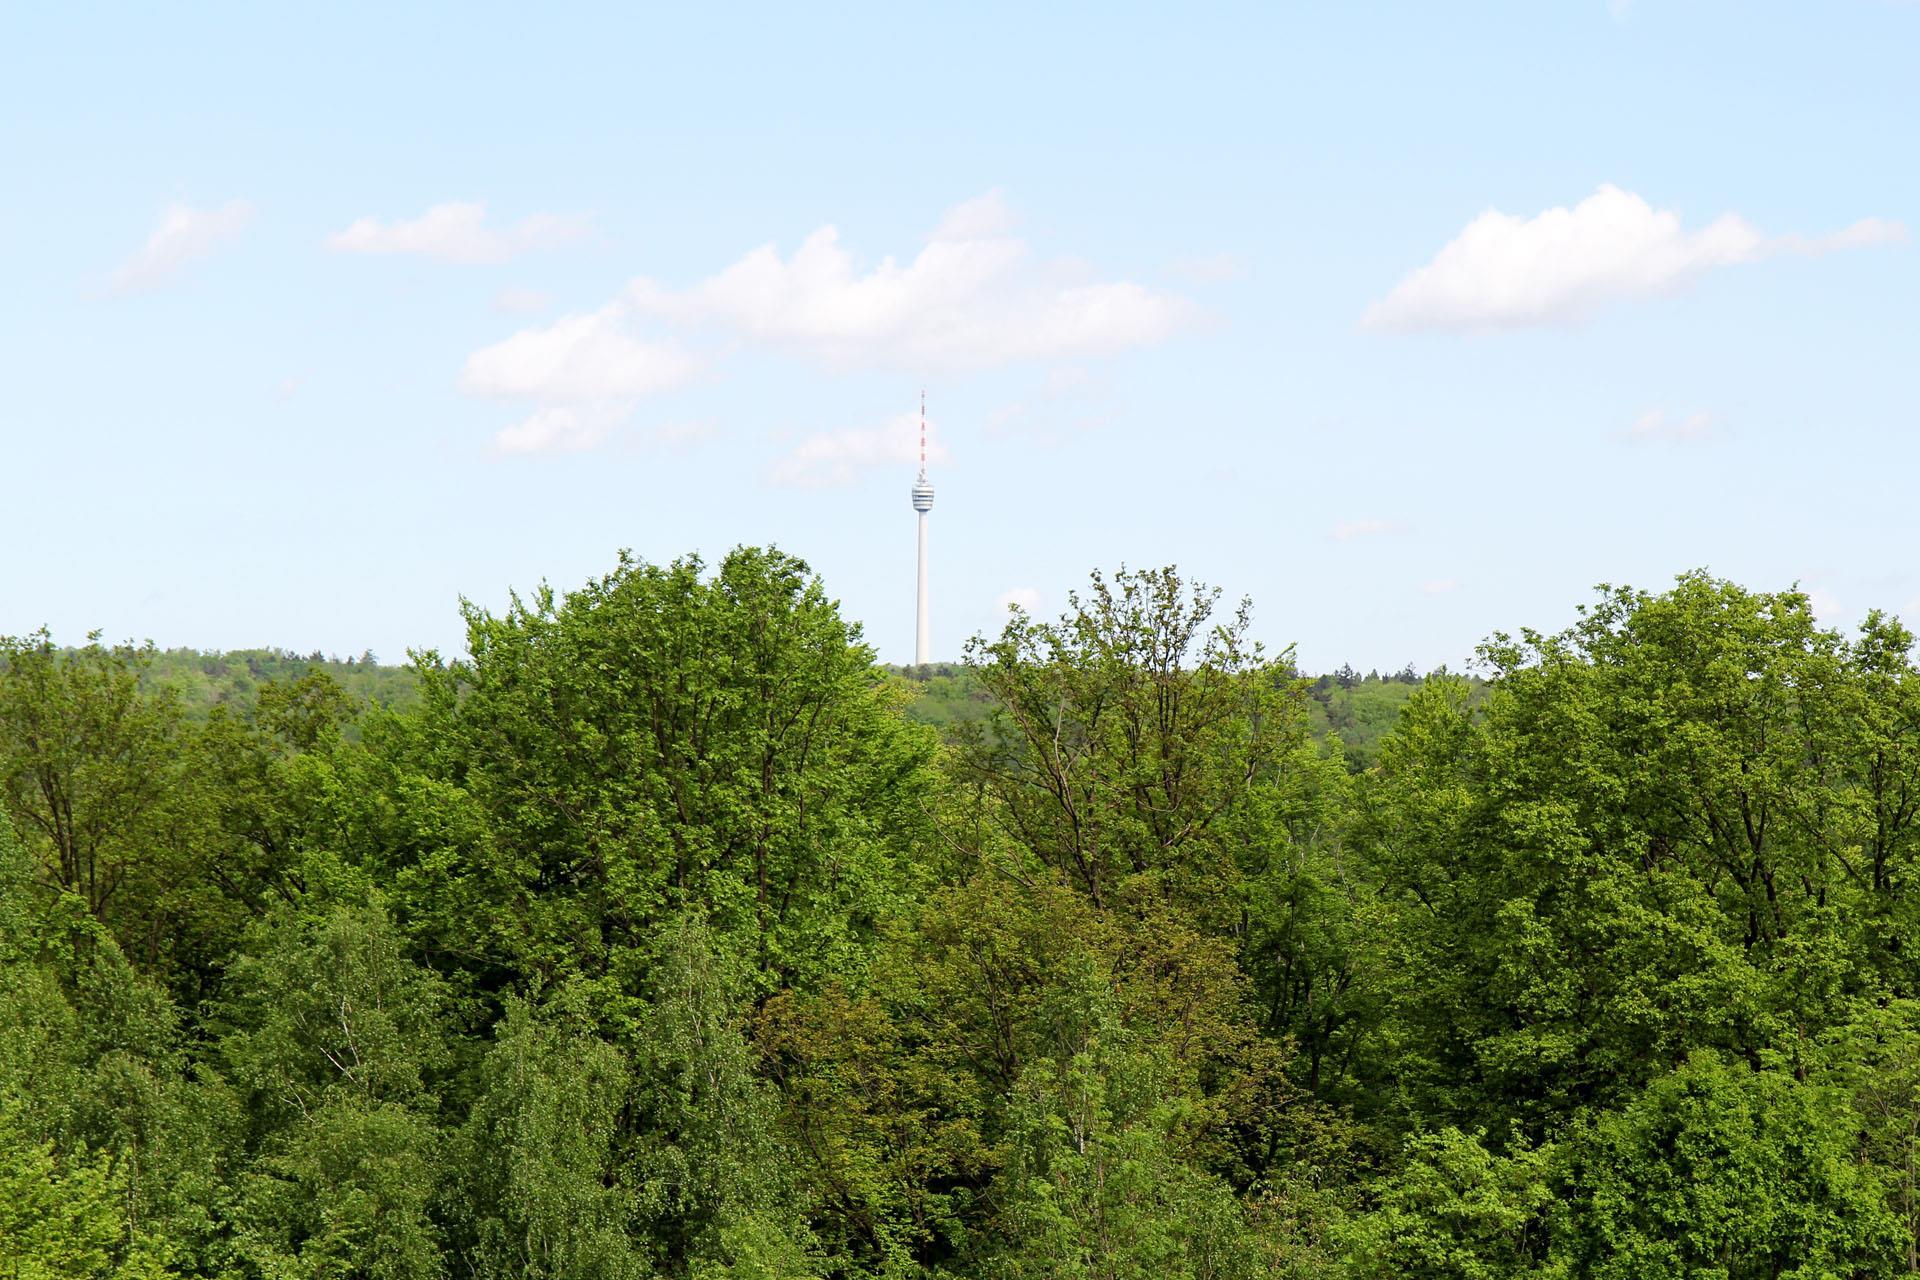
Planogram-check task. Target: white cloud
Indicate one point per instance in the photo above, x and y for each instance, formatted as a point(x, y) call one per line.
point(834, 459)
point(985, 217)
point(590, 357)
point(1439, 586)
point(1026, 599)
point(457, 231)
point(1656, 426)
point(553, 430)
point(578, 428)
point(584, 371)
point(1864, 234)
point(185, 235)
point(1352, 530)
point(973, 296)
point(1561, 266)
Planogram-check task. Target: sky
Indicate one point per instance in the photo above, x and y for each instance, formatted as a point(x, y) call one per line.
point(1411, 322)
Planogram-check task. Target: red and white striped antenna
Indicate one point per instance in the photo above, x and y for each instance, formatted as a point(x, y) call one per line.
point(922, 491)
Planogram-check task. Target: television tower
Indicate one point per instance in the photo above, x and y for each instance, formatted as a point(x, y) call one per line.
point(922, 503)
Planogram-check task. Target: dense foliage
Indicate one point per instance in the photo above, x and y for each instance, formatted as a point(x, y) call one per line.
point(203, 681)
point(662, 936)
point(1357, 709)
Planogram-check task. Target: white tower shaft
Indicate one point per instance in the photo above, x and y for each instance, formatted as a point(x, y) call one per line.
point(922, 503)
point(922, 642)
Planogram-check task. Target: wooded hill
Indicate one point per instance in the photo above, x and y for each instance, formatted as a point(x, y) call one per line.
point(1357, 709)
point(665, 936)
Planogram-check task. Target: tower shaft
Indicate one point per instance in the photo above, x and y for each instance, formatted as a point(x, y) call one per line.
point(922, 503)
point(922, 642)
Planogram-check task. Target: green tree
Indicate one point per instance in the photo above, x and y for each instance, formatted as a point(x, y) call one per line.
point(713, 1191)
point(545, 1194)
point(1147, 752)
point(1457, 1211)
point(1642, 842)
point(95, 775)
point(337, 1039)
point(663, 738)
point(64, 1218)
point(1722, 1170)
point(1094, 1181)
point(1875, 1059)
point(91, 1068)
point(1129, 739)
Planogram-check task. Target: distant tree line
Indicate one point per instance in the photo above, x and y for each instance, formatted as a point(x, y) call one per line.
point(1355, 710)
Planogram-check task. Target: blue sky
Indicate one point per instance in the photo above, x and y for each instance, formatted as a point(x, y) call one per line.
point(1411, 322)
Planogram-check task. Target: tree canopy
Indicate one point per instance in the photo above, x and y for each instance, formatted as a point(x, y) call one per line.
point(665, 933)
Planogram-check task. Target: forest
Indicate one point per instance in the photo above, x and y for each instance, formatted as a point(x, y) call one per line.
point(664, 932)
